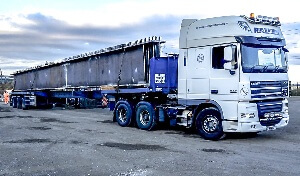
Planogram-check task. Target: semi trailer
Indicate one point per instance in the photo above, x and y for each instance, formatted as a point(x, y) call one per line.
point(230, 76)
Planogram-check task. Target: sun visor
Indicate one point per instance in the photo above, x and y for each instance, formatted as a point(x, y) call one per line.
point(260, 40)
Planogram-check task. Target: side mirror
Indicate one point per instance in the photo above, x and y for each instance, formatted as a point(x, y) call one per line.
point(230, 58)
point(286, 56)
point(228, 54)
point(227, 66)
point(230, 67)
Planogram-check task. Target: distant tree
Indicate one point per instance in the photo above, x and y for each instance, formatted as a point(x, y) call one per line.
point(6, 86)
point(295, 92)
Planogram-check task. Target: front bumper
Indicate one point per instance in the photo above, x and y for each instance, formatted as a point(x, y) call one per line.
point(249, 121)
point(248, 127)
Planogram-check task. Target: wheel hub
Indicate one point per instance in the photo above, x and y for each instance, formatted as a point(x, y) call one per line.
point(144, 117)
point(210, 124)
point(122, 115)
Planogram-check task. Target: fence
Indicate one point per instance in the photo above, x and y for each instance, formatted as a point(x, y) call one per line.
point(295, 89)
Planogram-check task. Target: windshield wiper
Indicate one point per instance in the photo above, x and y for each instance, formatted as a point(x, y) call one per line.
point(262, 69)
point(265, 68)
point(282, 69)
point(257, 68)
point(277, 69)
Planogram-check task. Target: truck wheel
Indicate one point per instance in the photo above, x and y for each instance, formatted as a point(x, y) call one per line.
point(24, 106)
point(145, 117)
point(123, 114)
point(209, 124)
point(15, 102)
point(19, 103)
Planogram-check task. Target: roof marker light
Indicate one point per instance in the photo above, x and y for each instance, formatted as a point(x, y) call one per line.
point(276, 19)
point(259, 19)
point(252, 16)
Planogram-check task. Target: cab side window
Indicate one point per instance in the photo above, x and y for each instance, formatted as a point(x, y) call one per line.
point(218, 57)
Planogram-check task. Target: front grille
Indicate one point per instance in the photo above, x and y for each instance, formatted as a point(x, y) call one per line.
point(261, 90)
point(272, 110)
point(263, 84)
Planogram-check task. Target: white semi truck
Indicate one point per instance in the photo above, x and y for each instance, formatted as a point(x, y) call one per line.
point(230, 76)
point(238, 64)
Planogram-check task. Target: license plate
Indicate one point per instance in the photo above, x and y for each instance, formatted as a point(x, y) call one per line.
point(269, 128)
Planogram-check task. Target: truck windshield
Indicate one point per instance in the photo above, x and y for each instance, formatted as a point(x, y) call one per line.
point(263, 59)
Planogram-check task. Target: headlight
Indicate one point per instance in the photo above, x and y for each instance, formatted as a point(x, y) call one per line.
point(273, 115)
point(284, 83)
point(284, 91)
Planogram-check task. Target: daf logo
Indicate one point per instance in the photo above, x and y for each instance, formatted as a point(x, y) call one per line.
point(255, 83)
point(200, 58)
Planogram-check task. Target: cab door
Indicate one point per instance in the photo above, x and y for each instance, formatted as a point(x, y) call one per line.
point(224, 75)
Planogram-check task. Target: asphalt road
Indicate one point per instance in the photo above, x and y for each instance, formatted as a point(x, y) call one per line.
point(87, 142)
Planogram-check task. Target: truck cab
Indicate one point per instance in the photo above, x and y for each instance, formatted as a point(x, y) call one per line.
point(233, 71)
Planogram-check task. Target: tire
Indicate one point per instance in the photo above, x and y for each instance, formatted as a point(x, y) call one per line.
point(15, 102)
point(24, 107)
point(123, 114)
point(145, 117)
point(209, 124)
point(19, 102)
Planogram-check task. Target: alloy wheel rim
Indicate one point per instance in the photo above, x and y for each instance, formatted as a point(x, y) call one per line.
point(144, 117)
point(122, 115)
point(210, 124)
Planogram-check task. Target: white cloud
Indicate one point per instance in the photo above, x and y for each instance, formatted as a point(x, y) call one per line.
point(9, 66)
point(128, 14)
point(294, 73)
point(117, 13)
point(6, 26)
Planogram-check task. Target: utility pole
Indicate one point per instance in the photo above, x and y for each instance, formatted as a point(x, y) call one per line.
point(1, 81)
point(297, 88)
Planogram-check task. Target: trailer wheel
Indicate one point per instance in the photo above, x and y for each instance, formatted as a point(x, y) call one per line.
point(123, 114)
point(209, 124)
point(24, 106)
point(19, 103)
point(145, 117)
point(15, 102)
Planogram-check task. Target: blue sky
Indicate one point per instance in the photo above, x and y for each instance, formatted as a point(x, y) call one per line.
point(35, 31)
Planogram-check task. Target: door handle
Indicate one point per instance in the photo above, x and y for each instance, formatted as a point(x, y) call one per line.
point(214, 91)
